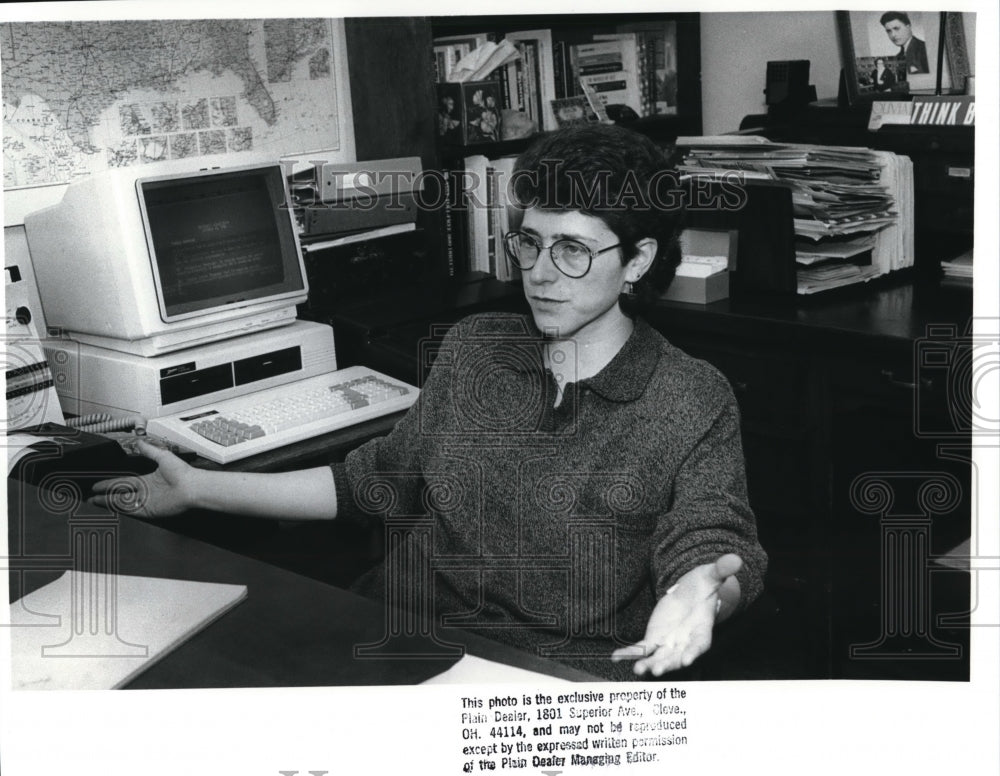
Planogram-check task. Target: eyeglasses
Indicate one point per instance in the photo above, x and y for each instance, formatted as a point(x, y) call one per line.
point(570, 257)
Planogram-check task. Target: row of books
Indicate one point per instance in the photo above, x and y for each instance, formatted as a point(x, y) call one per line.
point(522, 62)
point(637, 69)
point(852, 207)
point(478, 214)
point(538, 72)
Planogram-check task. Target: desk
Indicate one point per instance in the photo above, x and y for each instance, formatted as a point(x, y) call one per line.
point(291, 631)
point(836, 398)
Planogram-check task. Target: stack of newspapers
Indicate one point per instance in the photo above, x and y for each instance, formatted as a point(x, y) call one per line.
point(852, 207)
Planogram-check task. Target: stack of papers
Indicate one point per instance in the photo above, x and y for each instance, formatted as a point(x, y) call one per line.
point(807, 252)
point(853, 207)
point(959, 267)
point(958, 271)
point(833, 276)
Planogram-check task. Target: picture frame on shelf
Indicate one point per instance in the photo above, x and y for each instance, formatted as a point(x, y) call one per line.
point(570, 111)
point(469, 113)
point(894, 54)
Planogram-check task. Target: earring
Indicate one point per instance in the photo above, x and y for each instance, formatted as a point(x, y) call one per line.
point(628, 290)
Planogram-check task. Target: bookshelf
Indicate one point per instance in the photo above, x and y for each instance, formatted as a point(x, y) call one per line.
point(679, 110)
point(648, 62)
point(396, 102)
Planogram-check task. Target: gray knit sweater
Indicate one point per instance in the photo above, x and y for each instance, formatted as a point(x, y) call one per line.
point(555, 529)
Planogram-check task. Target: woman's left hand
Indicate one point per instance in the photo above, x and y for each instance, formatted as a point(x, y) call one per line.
point(680, 627)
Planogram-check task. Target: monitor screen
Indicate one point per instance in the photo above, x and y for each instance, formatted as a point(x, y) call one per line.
point(152, 261)
point(219, 239)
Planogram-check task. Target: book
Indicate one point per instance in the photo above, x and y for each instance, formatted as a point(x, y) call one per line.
point(141, 619)
point(523, 77)
point(627, 86)
point(476, 188)
point(573, 110)
point(449, 50)
point(646, 74)
point(543, 70)
point(532, 107)
point(594, 101)
point(664, 65)
point(504, 215)
point(560, 70)
point(656, 54)
point(449, 227)
point(457, 239)
point(494, 250)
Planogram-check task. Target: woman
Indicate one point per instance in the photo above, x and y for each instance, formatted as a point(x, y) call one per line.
point(883, 78)
point(574, 483)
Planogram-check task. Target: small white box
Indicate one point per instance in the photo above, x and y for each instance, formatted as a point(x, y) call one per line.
point(701, 250)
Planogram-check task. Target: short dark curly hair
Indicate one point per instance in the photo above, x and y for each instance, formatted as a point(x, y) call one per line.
point(889, 16)
point(619, 176)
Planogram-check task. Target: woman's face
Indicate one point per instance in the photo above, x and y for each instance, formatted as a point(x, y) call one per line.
point(575, 307)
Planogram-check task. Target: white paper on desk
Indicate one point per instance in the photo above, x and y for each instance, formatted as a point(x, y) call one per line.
point(472, 670)
point(122, 626)
point(958, 557)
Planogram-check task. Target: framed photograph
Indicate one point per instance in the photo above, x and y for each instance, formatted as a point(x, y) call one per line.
point(897, 53)
point(573, 110)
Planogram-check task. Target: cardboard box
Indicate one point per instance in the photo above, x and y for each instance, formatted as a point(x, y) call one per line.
point(469, 113)
point(699, 290)
point(701, 244)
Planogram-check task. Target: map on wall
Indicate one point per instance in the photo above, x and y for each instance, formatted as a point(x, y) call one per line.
point(80, 97)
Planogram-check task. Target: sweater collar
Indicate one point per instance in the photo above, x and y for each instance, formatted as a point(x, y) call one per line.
point(625, 377)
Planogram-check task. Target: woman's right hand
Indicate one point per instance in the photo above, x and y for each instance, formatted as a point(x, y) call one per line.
point(164, 492)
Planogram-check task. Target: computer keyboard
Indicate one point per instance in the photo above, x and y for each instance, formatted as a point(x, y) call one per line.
point(239, 427)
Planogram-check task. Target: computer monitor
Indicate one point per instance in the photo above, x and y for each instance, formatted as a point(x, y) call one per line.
point(149, 264)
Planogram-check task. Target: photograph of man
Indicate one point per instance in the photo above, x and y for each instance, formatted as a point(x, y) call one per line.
point(883, 79)
point(912, 50)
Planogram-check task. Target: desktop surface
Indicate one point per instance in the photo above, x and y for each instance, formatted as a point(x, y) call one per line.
point(291, 631)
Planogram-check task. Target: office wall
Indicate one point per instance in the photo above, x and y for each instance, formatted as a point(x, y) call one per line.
point(735, 49)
